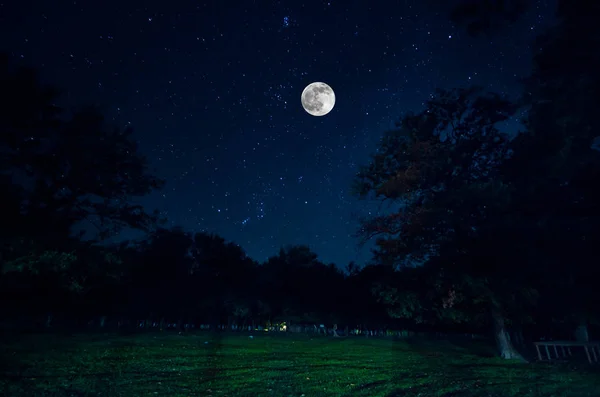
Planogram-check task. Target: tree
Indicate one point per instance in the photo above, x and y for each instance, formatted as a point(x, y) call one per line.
point(159, 279)
point(555, 166)
point(450, 148)
point(283, 280)
point(364, 301)
point(488, 16)
point(302, 289)
point(59, 171)
point(440, 171)
point(226, 275)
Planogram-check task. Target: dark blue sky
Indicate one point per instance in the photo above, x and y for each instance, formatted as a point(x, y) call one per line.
point(213, 88)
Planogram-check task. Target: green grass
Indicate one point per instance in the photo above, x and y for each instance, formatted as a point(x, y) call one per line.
point(165, 364)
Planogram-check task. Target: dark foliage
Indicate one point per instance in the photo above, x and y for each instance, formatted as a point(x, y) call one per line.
point(488, 16)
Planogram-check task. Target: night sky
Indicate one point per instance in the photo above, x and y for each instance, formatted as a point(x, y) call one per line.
point(212, 90)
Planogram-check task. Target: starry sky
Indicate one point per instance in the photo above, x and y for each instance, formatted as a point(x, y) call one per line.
point(212, 90)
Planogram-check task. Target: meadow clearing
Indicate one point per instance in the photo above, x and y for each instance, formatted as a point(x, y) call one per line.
point(229, 364)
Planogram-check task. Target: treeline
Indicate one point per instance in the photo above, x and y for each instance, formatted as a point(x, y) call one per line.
point(177, 277)
point(69, 180)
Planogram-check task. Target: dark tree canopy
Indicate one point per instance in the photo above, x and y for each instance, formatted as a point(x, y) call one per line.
point(556, 165)
point(439, 168)
point(488, 16)
point(60, 170)
point(501, 224)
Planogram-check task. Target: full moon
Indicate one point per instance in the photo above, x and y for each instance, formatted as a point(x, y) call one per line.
point(318, 99)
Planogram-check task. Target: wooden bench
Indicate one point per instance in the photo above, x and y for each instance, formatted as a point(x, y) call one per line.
point(592, 349)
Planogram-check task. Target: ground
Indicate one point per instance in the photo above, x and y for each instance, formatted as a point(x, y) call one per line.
point(167, 364)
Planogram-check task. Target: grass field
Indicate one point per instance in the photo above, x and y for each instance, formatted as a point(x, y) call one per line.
point(164, 364)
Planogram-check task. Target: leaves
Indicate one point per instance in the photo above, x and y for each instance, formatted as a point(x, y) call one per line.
point(40, 264)
point(486, 17)
point(444, 167)
point(441, 167)
point(66, 169)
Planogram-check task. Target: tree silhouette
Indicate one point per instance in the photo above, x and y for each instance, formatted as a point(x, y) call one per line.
point(227, 275)
point(483, 17)
point(449, 149)
point(555, 166)
point(486, 17)
point(58, 171)
point(440, 171)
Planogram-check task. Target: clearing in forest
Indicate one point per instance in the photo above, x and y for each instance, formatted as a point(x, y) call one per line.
point(203, 364)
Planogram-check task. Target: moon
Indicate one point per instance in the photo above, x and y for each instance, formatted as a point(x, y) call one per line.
point(318, 99)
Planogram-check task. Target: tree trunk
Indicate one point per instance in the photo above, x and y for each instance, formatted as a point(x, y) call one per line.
point(516, 337)
point(505, 347)
point(49, 318)
point(581, 332)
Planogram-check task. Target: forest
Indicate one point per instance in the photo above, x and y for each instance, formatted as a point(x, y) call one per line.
point(480, 232)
